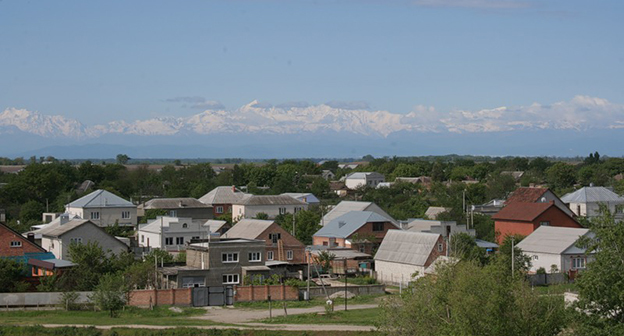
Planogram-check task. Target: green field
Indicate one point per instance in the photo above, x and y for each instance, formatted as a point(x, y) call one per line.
point(367, 317)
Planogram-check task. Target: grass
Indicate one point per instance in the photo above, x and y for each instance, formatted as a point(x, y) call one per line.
point(314, 302)
point(366, 317)
point(161, 315)
point(555, 289)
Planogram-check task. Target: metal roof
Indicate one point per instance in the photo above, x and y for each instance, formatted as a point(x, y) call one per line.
point(551, 239)
point(164, 221)
point(56, 229)
point(407, 247)
point(524, 212)
point(270, 200)
point(223, 195)
point(433, 212)
point(174, 203)
point(345, 225)
point(101, 199)
point(214, 224)
point(485, 244)
point(304, 197)
point(364, 175)
point(348, 206)
point(592, 195)
point(248, 228)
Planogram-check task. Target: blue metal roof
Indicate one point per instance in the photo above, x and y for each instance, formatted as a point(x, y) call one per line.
point(100, 199)
point(343, 226)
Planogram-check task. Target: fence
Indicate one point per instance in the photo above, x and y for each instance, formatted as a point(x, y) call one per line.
point(157, 297)
point(261, 293)
point(38, 299)
point(547, 279)
point(357, 290)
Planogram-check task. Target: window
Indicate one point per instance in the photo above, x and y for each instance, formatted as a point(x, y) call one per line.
point(179, 240)
point(378, 226)
point(184, 226)
point(229, 257)
point(142, 238)
point(361, 248)
point(16, 243)
point(95, 215)
point(195, 238)
point(219, 210)
point(578, 263)
point(76, 240)
point(230, 279)
point(282, 211)
point(535, 257)
point(545, 223)
point(125, 215)
point(297, 209)
point(269, 255)
point(254, 256)
point(289, 255)
point(440, 247)
point(274, 237)
point(325, 243)
point(169, 241)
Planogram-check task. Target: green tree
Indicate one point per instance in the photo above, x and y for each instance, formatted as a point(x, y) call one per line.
point(122, 159)
point(261, 215)
point(561, 175)
point(110, 294)
point(92, 262)
point(31, 211)
point(325, 260)
point(11, 273)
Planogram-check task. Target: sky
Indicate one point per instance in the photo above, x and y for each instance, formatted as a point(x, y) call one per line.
point(99, 61)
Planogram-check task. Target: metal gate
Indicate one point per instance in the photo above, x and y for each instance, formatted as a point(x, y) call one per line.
point(213, 296)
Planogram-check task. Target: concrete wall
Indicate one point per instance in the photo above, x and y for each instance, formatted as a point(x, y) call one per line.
point(174, 297)
point(108, 216)
point(545, 260)
point(390, 273)
point(38, 299)
point(261, 293)
point(357, 290)
point(88, 233)
point(250, 211)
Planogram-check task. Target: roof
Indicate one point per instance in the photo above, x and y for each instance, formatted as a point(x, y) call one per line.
point(433, 212)
point(526, 195)
point(51, 263)
point(364, 175)
point(99, 199)
point(348, 206)
point(407, 247)
point(214, 224)
point(551, 239)
point(248, 228)
point(164, 221)
point(592, 195)
point(270, 200)
point(174, 203)
point(485, 244)
point(56, 229)
point(523, 212)
point(304, 197)
point(343, 226)
point(223, 195)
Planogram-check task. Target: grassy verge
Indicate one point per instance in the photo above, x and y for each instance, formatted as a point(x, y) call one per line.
point(71, 331)
point(366, 317)
point(555, 289)
point(131, 315)
point(318, 301)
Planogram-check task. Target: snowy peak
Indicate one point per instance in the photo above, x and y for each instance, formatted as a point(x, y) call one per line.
point(43, 125)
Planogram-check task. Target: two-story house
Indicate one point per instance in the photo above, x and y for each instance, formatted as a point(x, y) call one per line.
point(171, 233)
point(222, 198)
point(368, 179)
point(104, 208)
point(586, 202)
point(272, 205)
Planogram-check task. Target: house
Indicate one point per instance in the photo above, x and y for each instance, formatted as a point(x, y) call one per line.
point(348, 206)
point(433, 212)
point(359, 230)
point(517, 175)
point(13, 244)
point(308, 198)
point(217, 226)
point(405, 255)
point(424, 180)
point(537, 195)
point(444, 228)
point(520, 218)
point(222, 198)
point(553, 248)
point(489, 208)
point(58, 236)
point(220, 262)
point(586, 201)
point(360, 179)
point(272, 205)
point(328, 175)
point(179, 207)
point(348, 165)
point(84, 186)
point(280, 244)
point(104, 208)
point(171, 233)
point(339, 188)
point(355, 261)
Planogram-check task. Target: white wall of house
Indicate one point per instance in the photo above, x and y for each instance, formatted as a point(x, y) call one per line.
point(545, 260)
point(175, 236)
point(592, 209)
point(84, 234)
point(250, 211)
point(391, 273)
point(106, 216)
point(354, 183)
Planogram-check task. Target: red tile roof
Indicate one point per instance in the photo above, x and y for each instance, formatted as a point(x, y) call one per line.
point(527, 195)
point(522, 211)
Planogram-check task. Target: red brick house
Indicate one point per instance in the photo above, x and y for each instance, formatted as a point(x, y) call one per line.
point(359, 230)
point(280, 244)
point(520, 218)
point(13, 244)
point(537, 195)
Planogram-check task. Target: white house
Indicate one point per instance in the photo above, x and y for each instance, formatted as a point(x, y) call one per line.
point(172, 233)
point(272, 205)
point(586, 201)
point(370, 179)
point(104, 208)
point(57, 236)
point(550, 246)
point(403, 254)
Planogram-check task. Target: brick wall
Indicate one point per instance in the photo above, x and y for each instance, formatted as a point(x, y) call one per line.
point(7, 236)
point(261, 293)
point(173, 297)
point(290, 243)
point(554, 215)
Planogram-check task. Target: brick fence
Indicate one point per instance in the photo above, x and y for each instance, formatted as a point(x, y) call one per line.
point(261, 293)
point(156, 297)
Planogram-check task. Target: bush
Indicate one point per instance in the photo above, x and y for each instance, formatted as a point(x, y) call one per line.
point(68, 300)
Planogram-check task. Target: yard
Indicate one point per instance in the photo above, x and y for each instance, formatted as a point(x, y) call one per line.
point(318, 301)
point(367, 317)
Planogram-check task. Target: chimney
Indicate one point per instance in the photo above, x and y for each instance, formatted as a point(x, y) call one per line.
point(31, 237)
point(63, 219)
point(233, 189)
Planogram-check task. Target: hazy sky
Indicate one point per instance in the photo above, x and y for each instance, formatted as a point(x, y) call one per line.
point(108, 60)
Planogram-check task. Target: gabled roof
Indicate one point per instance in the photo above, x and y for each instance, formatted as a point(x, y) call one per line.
point(364, 175)
point(174, 203)
point(523, 212)
point(101, 199)
point(223, 195)
point(55, 229)
point(17, 235)
point(526, 195)
point(407, 247)
point(164, 222)
point(345, 225)
point(551, 239)
point(270, 200)
point(348, 206)
point(309, 197)
point(214, 224)
point(433, 212)
point(592, 195)
point(248, 228)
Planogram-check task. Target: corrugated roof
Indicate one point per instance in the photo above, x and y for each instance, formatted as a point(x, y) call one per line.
point(551, 239)
point(433, 212)
point(524, 212)
point(214, 224)
point(270, 200)
point(345, 225)
point(348, 206)
point(526, 195)
point(223, 195)
point(364, 175)
point(56, 229)
point(174, 203)
point(248, 228)
point(100, 199)
point(592, 195)
point(309, 197)
point(407, 247)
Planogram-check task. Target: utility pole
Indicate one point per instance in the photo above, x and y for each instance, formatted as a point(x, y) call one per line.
point(345, 271)
point(513, 257)
point(308, 255)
